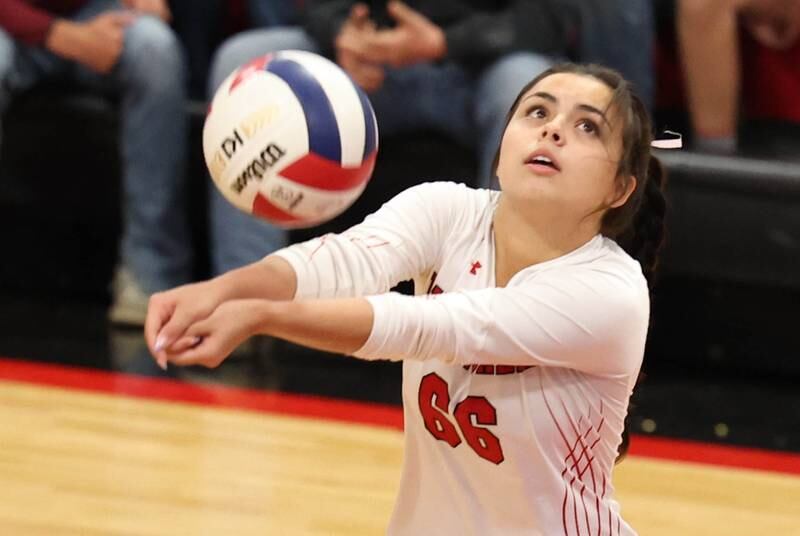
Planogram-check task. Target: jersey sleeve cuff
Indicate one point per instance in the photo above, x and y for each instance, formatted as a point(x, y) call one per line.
point(376, 345)
point(307, 280)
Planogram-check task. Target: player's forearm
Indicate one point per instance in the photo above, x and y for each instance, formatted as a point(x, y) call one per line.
point(271, 278)
point(340, 325)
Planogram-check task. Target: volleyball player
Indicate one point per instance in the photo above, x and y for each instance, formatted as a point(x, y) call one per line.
point(525, 339)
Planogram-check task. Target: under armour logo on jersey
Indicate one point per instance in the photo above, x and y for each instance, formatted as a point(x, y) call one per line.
point(475, 267)
point(433, 288)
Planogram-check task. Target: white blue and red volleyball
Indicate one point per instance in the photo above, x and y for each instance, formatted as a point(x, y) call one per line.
point(291, 139)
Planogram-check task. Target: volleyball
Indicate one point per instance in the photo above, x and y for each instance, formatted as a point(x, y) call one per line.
point(290, 138)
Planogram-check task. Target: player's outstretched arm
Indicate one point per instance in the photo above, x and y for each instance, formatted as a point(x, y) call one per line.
point(170, 313)
point(337, 325)
point(398, 242)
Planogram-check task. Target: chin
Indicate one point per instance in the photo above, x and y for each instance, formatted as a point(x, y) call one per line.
point(527, 190)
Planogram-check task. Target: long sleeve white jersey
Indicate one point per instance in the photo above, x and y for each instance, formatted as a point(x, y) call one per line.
point(514, 397)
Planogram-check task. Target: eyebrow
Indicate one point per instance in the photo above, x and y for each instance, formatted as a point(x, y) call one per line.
point(585, 107)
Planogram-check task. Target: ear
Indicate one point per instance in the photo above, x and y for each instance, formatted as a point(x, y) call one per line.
point(622, 192)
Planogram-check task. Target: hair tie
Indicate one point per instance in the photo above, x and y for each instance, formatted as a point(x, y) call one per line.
point(668, 140)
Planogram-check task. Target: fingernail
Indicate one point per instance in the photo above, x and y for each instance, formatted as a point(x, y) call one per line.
point(162, 362)
point(160, 342)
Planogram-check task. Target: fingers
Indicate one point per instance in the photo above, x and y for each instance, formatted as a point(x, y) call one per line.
point(174, 328)
point(354, 40)
point(202, 354)
point(368, 76)
point(359, 14)
point(121, 19)
point(350, 43)
point(159, 310)
point(403, 14)
point(196, 346)
point(383, 47)
point(197, 350)
point(185, 343)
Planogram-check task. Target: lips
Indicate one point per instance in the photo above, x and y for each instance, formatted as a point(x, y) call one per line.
point(542, 158)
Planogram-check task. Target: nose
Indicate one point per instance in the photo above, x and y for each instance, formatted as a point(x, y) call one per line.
point(553, 131)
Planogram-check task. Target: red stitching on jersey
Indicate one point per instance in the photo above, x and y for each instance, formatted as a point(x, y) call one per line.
point(566, 443)
point(585, 510)
point(582, 439)
point(575, 507)
point(597, 509)
point(598, 429)
point(497, 370)
point(430, 285)
point(322, 240)
point(355, 239)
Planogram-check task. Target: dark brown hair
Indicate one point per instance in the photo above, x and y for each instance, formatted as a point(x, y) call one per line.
point(638, 225)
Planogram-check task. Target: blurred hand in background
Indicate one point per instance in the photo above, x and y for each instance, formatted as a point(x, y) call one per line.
point(157, 8)
point(96, 43)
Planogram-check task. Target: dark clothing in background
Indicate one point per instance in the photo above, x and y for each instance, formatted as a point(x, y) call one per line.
point(477, 31)
point(480, 32)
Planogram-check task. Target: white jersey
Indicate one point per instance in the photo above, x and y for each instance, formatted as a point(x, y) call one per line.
point(515, 397)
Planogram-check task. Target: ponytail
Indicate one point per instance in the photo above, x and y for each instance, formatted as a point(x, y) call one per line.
point(638, 226)
point(648, 229)
point(643, 241)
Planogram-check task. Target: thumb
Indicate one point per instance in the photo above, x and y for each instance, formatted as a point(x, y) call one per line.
point(404, 14)
point(174, 329)
point(359, 13)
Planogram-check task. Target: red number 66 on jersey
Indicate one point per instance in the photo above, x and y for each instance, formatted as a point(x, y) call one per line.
point(434, 401)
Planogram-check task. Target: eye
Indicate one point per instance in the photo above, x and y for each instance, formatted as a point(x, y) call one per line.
point(537, 112)
point(588, 126)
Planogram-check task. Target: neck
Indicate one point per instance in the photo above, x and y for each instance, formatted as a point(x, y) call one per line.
point(523, 239)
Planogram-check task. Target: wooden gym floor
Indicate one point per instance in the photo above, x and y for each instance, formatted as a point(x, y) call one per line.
point(87, 452)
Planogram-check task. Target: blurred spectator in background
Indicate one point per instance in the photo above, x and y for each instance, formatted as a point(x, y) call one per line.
point(454, 67)
point(268, 13)
point(201, 26)
point(125, 49)
point(710, 37)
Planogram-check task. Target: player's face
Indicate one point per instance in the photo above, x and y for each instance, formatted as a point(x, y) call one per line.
point(562, 147)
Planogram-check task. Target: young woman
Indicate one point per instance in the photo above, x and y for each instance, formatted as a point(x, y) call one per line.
point(526, 337)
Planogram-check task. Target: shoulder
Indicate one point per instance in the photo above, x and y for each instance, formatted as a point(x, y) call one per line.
point(457, 203)
point(601, 272)
point(450, 191)
point(603, 293)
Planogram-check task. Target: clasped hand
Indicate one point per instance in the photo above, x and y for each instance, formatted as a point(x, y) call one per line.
point(97, 43)
point(193, 325)
point(363, 50)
